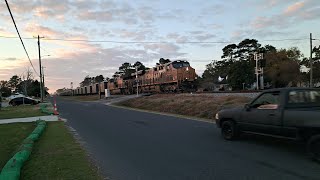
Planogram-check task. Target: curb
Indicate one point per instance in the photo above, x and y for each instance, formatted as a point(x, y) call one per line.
point(29, 119)
point(12, 169)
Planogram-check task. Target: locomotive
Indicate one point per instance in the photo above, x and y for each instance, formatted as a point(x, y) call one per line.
point(175, 76)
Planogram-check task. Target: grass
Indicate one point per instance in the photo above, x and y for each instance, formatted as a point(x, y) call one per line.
point(83, 98)
point(201, 106)
point(20, 111)
point(58, 156)
point(11, 137)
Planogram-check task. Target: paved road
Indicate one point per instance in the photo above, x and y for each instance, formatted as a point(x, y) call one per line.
point(137, 146)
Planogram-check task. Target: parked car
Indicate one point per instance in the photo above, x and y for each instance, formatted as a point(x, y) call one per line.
point(292, 113)
point(23, 100)
point(15, 95)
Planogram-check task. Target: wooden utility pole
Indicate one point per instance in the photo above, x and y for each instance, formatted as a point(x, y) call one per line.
point(311, 61)
point(41, 84)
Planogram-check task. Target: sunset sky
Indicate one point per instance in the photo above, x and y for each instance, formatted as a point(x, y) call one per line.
point(119, 23)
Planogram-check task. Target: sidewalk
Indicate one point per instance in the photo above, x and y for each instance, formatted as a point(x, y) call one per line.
point(29, 119)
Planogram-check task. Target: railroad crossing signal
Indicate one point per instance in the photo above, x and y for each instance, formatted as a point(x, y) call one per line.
point(260, 64)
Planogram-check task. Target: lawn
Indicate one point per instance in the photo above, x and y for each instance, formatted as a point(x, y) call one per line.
point(11, 137)
point(201, 106)
point(20, 111)
point(58, 156)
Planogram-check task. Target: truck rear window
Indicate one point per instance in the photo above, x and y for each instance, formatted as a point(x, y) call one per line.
point(304, 97)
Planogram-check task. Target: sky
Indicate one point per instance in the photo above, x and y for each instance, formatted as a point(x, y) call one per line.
point(118, 31)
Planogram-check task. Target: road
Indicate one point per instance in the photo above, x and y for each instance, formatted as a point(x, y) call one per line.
point(136, 146)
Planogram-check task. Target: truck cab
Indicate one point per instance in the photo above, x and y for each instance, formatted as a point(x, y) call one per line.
point(292, 113)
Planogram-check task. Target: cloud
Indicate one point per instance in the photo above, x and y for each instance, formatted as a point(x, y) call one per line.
point(33, 29)
point(294, 8)
point(215, 9)
point(177, 37)
point(297, 12)
point(11, 59)
point(136, 35)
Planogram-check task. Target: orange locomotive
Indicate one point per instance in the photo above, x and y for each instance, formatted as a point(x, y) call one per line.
point(174, 76)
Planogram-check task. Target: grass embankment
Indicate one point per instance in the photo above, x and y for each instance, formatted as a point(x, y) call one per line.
point(83, 98)
point(57, 155)
point(201, 106)
point(21, 111)
point(11, 137)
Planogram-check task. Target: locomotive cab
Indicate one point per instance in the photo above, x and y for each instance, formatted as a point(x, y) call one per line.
point(180, 64)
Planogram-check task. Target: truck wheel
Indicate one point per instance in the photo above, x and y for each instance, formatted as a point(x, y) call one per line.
point(313, 147)
point(229, 130)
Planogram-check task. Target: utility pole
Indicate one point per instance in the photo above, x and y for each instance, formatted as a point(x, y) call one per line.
point(137, 81)
point(41, 84)
point(71, 86)
point(311, 61)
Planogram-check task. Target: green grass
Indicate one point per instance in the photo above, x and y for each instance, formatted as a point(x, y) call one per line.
point(58, 156)
point(11, 137)
point(20, 111)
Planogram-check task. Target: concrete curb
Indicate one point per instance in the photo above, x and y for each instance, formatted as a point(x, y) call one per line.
point(29, 119)
point(165, 114)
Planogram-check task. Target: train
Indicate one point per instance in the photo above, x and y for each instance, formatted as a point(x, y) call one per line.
point(175, 76)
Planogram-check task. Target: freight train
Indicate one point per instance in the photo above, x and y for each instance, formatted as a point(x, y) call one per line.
point(176, 76)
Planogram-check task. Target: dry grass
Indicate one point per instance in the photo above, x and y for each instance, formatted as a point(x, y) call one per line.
point(202, 106)
point(83, 98)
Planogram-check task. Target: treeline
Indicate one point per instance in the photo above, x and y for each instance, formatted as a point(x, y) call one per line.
point(27, 86)
point(284, 67)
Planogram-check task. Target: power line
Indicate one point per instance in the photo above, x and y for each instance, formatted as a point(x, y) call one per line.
point(153, 42)
point(20, 36)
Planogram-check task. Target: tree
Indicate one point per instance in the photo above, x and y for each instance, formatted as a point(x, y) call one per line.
point(164, 61)
point(99, 79)
point(125, 70)
point(283, 67)
point(229, 51)
point(87, 81)
point(5, 89)
point(139, 65)
point(14, 81)
point(26, 81)
point(316, 64)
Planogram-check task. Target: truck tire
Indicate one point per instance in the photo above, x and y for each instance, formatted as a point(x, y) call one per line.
point(229, 130)
point(313, 147)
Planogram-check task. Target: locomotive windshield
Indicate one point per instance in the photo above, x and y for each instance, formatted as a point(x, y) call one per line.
point(180, 64)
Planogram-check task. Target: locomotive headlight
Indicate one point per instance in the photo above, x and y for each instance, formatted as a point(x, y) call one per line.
point(187, 69)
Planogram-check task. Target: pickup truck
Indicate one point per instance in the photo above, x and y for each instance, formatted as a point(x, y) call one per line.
point(292, 113)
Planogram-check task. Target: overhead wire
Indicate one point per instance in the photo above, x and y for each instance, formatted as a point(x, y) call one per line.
point(151, 42)
point(15, 25)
